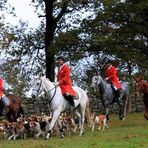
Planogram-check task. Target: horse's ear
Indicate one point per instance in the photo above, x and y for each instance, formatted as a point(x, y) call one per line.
point(43, 77)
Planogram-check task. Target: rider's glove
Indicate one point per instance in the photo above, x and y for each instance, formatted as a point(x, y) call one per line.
point(106, 78)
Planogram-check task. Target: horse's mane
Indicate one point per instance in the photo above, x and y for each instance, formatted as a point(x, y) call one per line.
point(45, 78)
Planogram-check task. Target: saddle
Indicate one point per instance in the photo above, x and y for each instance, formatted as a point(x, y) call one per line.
point(76, 97)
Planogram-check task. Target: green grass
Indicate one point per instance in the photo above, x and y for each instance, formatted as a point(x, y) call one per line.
point(130, 133)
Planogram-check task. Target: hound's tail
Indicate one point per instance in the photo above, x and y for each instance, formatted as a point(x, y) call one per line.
point(88, 116)
point(129, 108)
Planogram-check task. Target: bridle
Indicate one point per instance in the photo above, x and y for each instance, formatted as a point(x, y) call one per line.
point(37, 90)
point(47, 92)
point(104, 82)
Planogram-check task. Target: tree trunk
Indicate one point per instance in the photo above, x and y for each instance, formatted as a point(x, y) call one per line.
point(49, 36)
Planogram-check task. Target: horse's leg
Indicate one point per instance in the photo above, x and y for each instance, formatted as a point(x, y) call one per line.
point(10, 116)
point(14, 116)
point(16, 108)
point(121, 110)
point(107, 111)
point(105, 103)
point(61, 128)
point(79, 117)
point(145, 112)
point(82, 119)
point(55, 116)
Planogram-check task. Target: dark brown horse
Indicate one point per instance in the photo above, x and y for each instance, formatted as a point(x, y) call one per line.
point(14, 109)
point(142, 87)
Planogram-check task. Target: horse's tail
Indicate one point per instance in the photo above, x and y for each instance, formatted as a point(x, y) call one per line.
point(20, 112)
point(88, 116)
point(129, 108)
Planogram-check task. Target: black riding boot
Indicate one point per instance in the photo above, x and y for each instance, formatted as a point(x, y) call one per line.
point(1, 107)
point(70, 100)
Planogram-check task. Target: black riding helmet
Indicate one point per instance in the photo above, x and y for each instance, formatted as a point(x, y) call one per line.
point(62, 58)
point(109, 61)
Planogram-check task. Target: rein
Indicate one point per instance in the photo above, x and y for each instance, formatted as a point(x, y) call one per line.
point(53, 94)
point(103, 81)
point(48, 91)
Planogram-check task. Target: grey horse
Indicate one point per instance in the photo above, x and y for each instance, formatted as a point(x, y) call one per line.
point(108, 97)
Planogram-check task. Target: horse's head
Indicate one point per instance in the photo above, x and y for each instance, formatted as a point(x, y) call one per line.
point(138, 85)
point(96, 80)
point(37, 88)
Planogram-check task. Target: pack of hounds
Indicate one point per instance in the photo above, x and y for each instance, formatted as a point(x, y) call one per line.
point(37, 126)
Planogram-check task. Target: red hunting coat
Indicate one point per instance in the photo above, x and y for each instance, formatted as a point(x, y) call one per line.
point(112, 76)
point(1, 86)
point(64, 80)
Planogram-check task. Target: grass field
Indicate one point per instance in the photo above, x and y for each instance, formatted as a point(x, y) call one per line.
point(130, 133)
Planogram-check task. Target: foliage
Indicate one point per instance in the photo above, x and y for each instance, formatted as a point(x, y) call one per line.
point(120, 30)
point(25, 54)
point(78, 29)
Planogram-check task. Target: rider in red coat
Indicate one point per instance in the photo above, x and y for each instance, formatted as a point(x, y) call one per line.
point(1, 102)
point(64, 80)
point(112, 78)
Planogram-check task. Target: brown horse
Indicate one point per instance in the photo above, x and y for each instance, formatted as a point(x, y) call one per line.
point(14, 109)
point(142, 87)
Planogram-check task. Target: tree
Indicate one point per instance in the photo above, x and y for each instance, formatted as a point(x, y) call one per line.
point(24, 56)
point(120, 30)
point(55, 14)
point(111, 29)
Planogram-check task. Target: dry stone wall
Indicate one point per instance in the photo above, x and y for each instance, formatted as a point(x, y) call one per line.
point(36, 106)
point(96, 105)
point(41, 105)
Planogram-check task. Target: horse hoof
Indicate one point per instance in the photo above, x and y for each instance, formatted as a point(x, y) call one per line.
point(122, 118)
point(146, 117)
point(81, 133)
point(48, 136)
point(62, 136)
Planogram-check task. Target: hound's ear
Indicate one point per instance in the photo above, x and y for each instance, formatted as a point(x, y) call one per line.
point(136, 79)
point(141, 78)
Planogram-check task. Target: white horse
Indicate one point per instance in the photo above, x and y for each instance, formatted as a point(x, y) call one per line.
point(58, 104)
